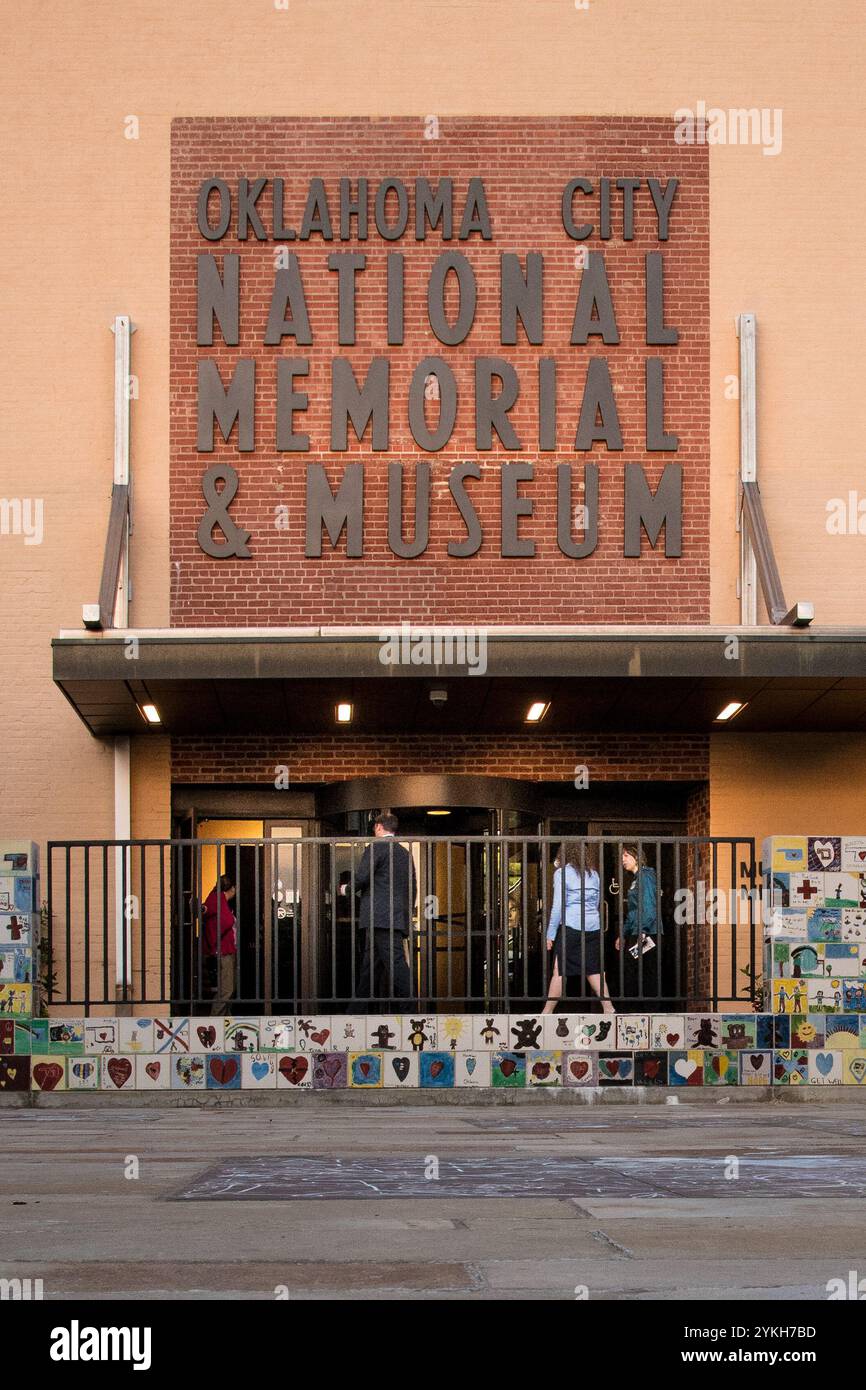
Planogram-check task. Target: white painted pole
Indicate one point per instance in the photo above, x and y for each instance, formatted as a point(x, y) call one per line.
point(746, 332)
point(122, 329)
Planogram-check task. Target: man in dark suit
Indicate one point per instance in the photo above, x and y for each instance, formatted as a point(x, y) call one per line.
point(385, 878)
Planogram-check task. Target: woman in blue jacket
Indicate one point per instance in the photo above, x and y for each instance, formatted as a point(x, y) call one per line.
point(574, 929)
point(640, 920)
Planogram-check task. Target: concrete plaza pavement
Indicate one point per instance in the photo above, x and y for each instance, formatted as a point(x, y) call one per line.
point(70, 1215)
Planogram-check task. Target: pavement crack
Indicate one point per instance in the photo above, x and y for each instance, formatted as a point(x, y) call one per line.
point(604, 1239)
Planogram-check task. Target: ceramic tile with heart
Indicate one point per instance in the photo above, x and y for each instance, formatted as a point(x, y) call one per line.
point(579, 1069)
point(721, 1069)
point(508, 1069)
point(348, 1033)
point(420, 1032)
point(365, 1070)
point(383, 1033)
point(454, 1031)
point(188, 1071)
point(66, 1036)
point(313, 1033)
point(101, 1035)
point(243, 1034)
point(400, 1069)
point(827, 1068)
point(259, 1071)
point(544, 1068)
point(594, 1031)
point(651, 1068)
point(686, 1068)
point(632, 1031)
point(854, 853)
point(558, 1031)
point(277, 1034)
point(48, 1073)
point(152, 1073)
point(222, 1071)
point(207, 1034)
point(135, 1034)
point(330, 1070)
point(82, 1073)
point(295, 1071)
point(15, 1073)
point(667, 1032)
point(824, 852)
point(790, 1067)
point(756, 1068)
point(436, 1070)
point(472, 1069)
point(117, 1073)
point(615, 1069)
point(489, 1032)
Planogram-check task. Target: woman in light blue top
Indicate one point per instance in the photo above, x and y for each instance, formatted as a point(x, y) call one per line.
point(577, 940)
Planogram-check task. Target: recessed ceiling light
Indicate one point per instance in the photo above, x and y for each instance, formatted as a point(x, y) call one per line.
point(439, 813)
point(151, 714)
point(344, 714)
point(537, 711)
point(730, 710)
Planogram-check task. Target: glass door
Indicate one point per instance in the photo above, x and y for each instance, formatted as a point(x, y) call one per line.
point(290, 941)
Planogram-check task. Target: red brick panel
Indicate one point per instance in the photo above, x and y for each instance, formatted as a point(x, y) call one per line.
point(524, 165)
point(632, 757)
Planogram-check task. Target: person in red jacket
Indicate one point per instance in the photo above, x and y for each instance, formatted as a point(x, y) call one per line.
point(220, 940)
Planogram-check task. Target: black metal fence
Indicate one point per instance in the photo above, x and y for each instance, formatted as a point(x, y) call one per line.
point(440, 924)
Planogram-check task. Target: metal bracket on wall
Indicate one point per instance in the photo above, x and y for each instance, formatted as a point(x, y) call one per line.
point(115, 587)
point(757, 560)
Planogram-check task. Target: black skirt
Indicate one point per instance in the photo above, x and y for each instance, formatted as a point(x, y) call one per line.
point(582, 951)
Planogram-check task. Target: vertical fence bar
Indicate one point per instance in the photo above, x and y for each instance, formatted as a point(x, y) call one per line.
point(162, 979)
point(755, 914)
point(392, 983)
point(713, 849)
point(68, 923)
point(125, 940)
point(332, 890)
point(142, 920)
point(86, 983)
point(676, 928)
point(659, 925)
point(48, 954)
point(300, 904)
